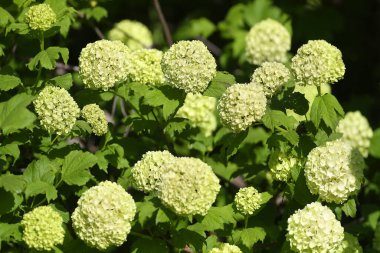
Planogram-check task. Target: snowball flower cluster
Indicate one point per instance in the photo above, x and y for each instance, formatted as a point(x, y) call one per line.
point(350, 244)
point(96, 118)
point(226, 248)
point(40, 17)
point(103, 216)
point(188, 65)
point(42, 228)
point(132, 33)
point(267, 40)
point(200, 111)
point(318, 62)
point(356, 130)
point(145, 67)
point(247, 200)
point(56, 110)
point(147, 172)
point(188, 187)
point(314, 229)
point(334, 171)
point(241, 105)
point(272, 76)
point(281, 165)
point(103, 63)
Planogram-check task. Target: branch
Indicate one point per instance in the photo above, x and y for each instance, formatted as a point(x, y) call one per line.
point(163, 22)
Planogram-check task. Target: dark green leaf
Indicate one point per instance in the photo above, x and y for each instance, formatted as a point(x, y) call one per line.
point(219, 84)
point(40, 187)
point(41, 170)
point(275, 118)
point(145, 211)
point(75, 168)
point(8, 82)
point(326, 108)
point(185, 237)
point(7, 201)
point(349, 208)
point(65, 81)
point(145, 245)
point(10, 232)
point(11, 149)
point(248, 236)
point(218, 217)
point(13, 183)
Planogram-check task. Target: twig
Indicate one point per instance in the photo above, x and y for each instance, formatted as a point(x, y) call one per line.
point(211, 46)
point(163, 22)
point(93, 26)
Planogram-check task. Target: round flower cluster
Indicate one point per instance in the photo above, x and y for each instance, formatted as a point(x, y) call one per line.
point(357, 131)
point(188, 65)
point(40, 17)
point(43, 228)
point(103, 63)
point(56, 110)
point(268, 40)
point(334, 171)
point(272, 76)
point(147, 172)
point(200, 111)
point(188, 187)
point(132, 33)
point(350, 244)
point(241, 105)
point(280, 166)
point(96, 118)
point(103, 216)
point(247, 200)
point(317, 63)
point(226, 248)
point(314, 229)
point(145, 67)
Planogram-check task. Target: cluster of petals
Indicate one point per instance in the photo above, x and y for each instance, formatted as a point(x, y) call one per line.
point(226, 248)
point(247, 200)
point(96, 118)
point(40, 17)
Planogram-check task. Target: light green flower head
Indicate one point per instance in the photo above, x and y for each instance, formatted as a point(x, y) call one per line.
point(357, 131)
point(145, 67)
point(43, 228)
point(103, 63)
point(200, 111)
point(272, 76)
point(188, 65)
point(241, 105)
point(318, 62)
point(267, 41)
point(314, 229)
point(280, 166)
point(334, 171)
point(226, 248)
point(56, 109)
point(132, 33)
point(189, 186)
point(148, 171)
point(40, 17)
point(247, 200)
point(350, 244)
point(96, 118)
point(104, 215)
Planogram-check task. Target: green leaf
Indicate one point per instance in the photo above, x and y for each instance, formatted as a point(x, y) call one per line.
point(12, 183)
point(194, 28)
point(10, 232)
point(47, 58)
point(5, 17)
point(219, 84)
point(14, 115)
point(176, 126)
point(275, 118)
point(7, 202)
point(65, 81)
point(349, 208)
point(185, 237)
point(55, 52)
point(248, 236)
point(8, 82)
point(40, 187)
point(145, 211)
point(10, 149)
point(75, 168)
point(218, 217)
point(22, 3)
point(144, 245)
point(326, 108)
point(376, 238)
point(233, 143)
point(265, 197)
point(19, 28)
point(374, 149)
point(41, 170)
point(98, 13)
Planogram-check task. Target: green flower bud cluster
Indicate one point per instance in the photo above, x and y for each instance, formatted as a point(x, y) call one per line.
point(334, 171)
point(40, 17)
point(104, 63)
point(56, 110)
point(241, 105)
point(314, 229)
point(356, 130)
point(103, 216)
point(272, 76)
point(247, 200)
point(226, 248)
point(267, 41)
point(188, 65)
point(280, 166)
point(43, 228)
point(200, 111)
point(145, 67)
point(96, 118)
point(186, 185)
point(350, 244)
point(132, 33)
point(317, 63)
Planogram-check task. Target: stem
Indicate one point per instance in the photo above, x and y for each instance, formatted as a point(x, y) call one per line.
point(319, 88)
point(140, 235)
point(246, 221)
point(42, 47)
point(163, 22)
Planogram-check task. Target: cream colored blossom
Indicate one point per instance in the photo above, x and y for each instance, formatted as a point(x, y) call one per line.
point(226, 248)
point(281, 165)
point(96, 118)
point(247, 200)
point(40, 17)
